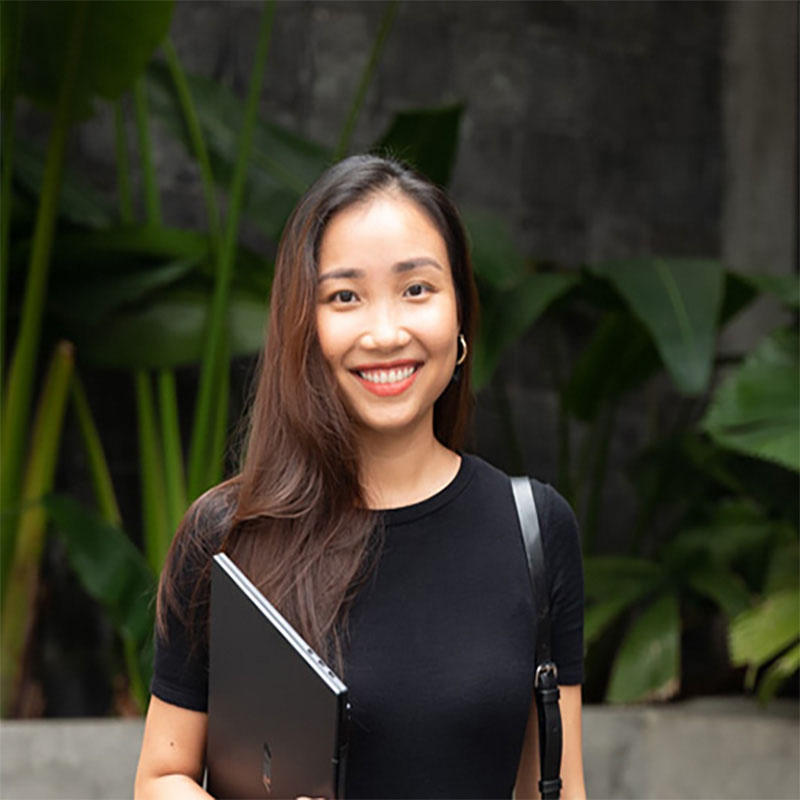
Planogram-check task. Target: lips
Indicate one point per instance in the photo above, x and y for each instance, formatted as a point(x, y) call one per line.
point(387, 379)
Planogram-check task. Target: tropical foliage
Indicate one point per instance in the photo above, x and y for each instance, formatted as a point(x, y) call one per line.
point(109, 287)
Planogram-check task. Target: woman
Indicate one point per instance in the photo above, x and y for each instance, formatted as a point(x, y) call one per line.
point(356, 515)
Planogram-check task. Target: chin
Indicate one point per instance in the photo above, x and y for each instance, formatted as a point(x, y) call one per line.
point(386, 425)
point(385, 428)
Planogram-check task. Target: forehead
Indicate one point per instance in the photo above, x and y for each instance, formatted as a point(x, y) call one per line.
point(385, 228)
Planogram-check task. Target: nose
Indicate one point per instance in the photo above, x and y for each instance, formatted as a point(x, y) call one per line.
point(385, 331)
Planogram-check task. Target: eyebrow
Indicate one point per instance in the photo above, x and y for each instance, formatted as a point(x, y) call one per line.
point(398, 268)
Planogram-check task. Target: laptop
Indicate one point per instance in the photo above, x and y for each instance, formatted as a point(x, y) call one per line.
point(277, 714)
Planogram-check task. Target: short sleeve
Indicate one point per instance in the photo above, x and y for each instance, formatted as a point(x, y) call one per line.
point(562, 552)
point(180, 664)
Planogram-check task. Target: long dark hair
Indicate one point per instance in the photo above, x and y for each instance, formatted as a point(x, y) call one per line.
point(294, 518)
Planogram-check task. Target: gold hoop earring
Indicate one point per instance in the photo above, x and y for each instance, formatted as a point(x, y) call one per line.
point(463, 357)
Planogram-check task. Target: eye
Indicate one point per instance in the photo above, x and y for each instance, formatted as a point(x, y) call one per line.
point(343, 296)
point(417, 290)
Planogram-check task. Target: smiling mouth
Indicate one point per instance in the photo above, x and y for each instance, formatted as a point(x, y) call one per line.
point(388, 380)
point(384, 376)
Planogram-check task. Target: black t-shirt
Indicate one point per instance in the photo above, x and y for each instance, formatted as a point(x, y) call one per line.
point(440, 656)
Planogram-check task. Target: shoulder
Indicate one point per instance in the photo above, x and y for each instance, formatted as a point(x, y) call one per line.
point(551, 506)
point(203, 529)
point(556, 518)
point(211, 514)
point(200, 535)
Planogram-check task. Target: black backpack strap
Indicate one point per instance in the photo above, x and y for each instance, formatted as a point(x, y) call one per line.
point(545, 682)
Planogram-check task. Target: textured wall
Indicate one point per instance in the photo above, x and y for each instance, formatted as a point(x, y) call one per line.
point(595, 128)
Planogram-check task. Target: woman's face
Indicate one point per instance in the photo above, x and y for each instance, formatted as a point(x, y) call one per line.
point(387, 316)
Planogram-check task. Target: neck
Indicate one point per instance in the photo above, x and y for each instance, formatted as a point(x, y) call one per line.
point(398, 470)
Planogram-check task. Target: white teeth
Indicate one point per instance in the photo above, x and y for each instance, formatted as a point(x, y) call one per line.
point(387, 375)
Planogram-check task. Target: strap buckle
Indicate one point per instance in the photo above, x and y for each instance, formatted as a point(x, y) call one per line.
point(544, 673)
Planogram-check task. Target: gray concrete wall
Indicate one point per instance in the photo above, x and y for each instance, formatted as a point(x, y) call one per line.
point(593, 129)
point(713, 748)
point(760, 198)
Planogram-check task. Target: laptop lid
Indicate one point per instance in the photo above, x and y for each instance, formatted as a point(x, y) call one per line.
point(277, 714)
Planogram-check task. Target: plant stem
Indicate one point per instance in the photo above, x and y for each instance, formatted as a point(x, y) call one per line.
point(7, 98)
point(214, 376)
point(366, 78)
point(19, 589)
point(123, 165)
point(19, 389)
point(95, 456)
point(139, 692)
point(154, 502)
point(175, 482)
point(198, 142)
point(220, 435)
point(152, 201)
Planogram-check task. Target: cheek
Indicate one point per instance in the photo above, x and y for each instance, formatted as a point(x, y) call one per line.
point(333, 334)
point(325, 334)
point(440, 325)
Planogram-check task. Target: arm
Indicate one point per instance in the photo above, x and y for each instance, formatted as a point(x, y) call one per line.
point(172, 760)
point(527, 785)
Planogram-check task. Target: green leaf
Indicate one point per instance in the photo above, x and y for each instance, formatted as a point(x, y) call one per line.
point(758, 635)
point(281, 164)
point(756, 411)
point(426, 138)
point(737, 530)
point(118, 42)
point(647, 665)
point(95, 455)
point(777, 673)
point(508, 314)
point(738, 294)
point(89, 301)
point(112, 246)
point(782, 570)
point(785, 287)
point(724, 588)
point(599, 616)
point(622, 355)
point(85, 258)
point(619, 357)
point(77, 201)
point(23, 533)
point(678, 301)
point(110, 568)
point(496, 259)
point(609, 577)
point(169, 331)
point(22, 528)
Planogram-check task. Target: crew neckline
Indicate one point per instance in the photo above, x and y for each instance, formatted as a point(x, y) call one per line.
point(445, 495)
